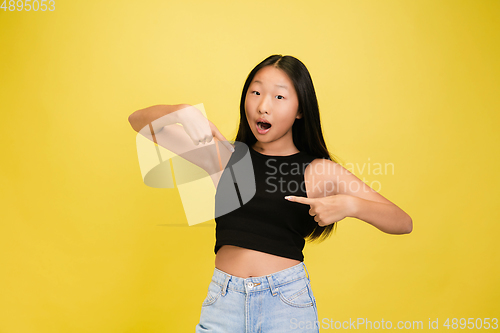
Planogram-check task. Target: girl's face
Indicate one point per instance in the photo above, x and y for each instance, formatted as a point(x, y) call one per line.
point(272, 98)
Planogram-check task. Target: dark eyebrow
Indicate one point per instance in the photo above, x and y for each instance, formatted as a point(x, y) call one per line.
point(277, 85)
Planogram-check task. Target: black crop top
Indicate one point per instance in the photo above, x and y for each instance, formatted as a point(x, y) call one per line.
point(250, 208)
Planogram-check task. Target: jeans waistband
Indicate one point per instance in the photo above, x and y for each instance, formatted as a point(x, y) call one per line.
point(259, 283)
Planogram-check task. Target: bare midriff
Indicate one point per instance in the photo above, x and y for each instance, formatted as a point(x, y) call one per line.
point(245, 263)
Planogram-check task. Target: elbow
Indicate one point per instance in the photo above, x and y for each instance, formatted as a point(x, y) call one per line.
point(403, 227)
point(132, 121)
point(408, 226)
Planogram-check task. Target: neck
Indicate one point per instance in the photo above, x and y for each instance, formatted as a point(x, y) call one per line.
point(276, 148)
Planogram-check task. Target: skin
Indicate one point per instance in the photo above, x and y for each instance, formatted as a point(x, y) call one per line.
point(333, 193)
point(278, 105)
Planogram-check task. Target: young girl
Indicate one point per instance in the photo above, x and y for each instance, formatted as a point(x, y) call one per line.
point(260, 282)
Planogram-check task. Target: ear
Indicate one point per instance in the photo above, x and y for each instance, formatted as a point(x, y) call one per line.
point(299, 115)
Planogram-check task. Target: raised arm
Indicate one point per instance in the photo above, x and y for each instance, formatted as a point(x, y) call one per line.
point(155, 117)
point(193, 140)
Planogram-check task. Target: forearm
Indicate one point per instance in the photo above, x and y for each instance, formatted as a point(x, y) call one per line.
point(157, 116)
point(386, 217)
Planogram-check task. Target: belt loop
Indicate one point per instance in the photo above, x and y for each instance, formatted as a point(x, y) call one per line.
point(225, 284)
point(306, 271)
point(271, 285)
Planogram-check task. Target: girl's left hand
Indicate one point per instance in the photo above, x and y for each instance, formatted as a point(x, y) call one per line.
point(327, 210)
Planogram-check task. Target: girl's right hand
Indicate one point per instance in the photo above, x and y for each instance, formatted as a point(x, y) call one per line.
point(199, 128)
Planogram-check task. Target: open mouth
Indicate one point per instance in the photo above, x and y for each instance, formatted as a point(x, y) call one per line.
point(263, 126)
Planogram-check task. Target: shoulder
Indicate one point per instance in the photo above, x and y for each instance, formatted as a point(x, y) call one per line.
point(322, 177)
point(323, 166)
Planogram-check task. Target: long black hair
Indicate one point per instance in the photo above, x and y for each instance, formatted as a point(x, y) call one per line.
point(306, 131)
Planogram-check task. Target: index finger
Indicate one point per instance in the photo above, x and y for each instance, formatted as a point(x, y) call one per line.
point(302, 200)
point(222, 139)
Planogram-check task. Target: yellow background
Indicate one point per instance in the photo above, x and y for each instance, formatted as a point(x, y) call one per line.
point(85, 246)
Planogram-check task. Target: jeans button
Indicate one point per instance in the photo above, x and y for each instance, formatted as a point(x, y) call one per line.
point(250, 284)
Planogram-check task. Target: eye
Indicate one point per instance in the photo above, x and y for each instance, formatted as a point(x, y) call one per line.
point(280, 96)
point(255, 92)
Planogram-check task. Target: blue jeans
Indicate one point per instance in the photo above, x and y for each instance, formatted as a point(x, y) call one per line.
point(278, 302)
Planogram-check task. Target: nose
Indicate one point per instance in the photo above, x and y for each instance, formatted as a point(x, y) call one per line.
point(264, 106)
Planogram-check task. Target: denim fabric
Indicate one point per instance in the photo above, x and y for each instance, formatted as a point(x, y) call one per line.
point(274, 303)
